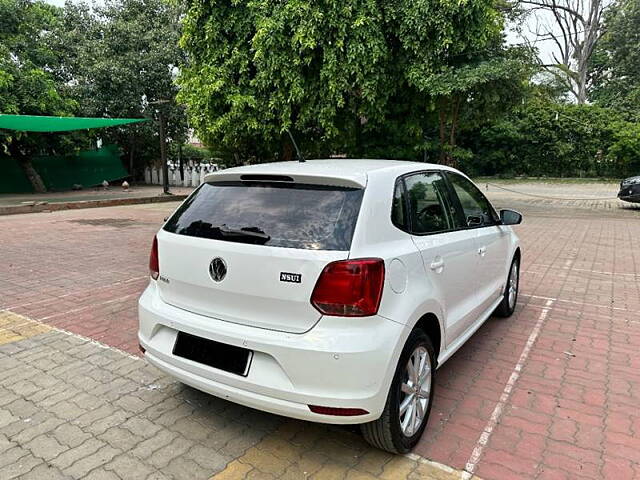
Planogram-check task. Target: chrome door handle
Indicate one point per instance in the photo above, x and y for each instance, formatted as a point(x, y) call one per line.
point(482, 251)
point(437, 264)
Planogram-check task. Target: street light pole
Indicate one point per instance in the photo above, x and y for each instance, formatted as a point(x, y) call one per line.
point(163, 145)
point(181, 162)
point(163, 155)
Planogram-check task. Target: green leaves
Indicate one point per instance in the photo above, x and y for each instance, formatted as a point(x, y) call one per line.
point(340, 74)
point(123, 66)
point(112, 60)
point(28, 61)
point(615, 65)
point(30, 66)
point(559, 140)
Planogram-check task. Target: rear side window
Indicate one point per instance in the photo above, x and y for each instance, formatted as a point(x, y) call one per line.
point(399, 206)
point(313, 217)
point(428, 203)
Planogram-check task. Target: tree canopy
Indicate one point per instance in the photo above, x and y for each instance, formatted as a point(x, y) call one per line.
point(616, 63)
point(124, 57)
point(117, 59)
point(408, 79)
point(338, 74)
point(29, 76)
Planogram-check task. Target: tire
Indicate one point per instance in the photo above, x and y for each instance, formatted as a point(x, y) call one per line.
point(508, 304)
point(387, 432)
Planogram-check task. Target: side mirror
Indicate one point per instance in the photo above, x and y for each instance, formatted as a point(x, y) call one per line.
point(510, 217)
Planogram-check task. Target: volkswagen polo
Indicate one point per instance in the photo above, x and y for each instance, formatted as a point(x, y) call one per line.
point(328, 290)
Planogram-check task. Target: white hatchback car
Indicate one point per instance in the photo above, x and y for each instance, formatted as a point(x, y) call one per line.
point(328, 290)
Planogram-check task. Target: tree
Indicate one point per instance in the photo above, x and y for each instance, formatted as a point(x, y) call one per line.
point(560, 140)
point(123, 62)
point(341, 76)
point(615, 69)
point(485, 85)
point(574, 27)
point(29, 84)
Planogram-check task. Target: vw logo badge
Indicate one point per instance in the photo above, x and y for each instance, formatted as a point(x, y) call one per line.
point(217, 269)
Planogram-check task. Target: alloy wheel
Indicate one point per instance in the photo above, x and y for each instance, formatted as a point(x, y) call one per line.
point(415, 390)
point(513, 285)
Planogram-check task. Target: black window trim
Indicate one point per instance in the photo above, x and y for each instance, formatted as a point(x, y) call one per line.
point(496, 221)
point(452, 197)
point(408, 228)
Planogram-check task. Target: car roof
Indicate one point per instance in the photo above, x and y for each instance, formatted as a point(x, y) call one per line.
point(342, 171)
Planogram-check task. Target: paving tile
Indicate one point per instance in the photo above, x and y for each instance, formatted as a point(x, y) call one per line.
point(569, 415)
point(45, 447)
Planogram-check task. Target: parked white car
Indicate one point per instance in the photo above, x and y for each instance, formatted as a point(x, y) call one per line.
point(328, 290)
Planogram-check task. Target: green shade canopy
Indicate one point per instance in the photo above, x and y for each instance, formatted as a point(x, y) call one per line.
point(37, 123)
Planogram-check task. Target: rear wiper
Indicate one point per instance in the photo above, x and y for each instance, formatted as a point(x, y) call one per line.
point(246, 232)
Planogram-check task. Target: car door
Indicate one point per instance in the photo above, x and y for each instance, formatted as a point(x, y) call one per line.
point(475, 213)
point(448, 254)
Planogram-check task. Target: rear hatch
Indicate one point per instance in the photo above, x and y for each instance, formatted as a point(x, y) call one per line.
point(250, 252)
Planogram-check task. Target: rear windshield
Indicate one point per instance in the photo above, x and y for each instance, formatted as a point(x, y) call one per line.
point(313, 217)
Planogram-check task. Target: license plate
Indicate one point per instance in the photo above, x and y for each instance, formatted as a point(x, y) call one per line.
point(213, 354)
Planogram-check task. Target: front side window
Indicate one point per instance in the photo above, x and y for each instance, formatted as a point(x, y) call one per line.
point(428, 203)
point(312, 217)
point(476, 209)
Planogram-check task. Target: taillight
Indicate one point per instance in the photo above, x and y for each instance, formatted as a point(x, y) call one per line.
point(154, 263)
point(350, 288)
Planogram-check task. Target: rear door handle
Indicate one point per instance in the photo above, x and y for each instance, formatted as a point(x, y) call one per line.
point(482, 251)
point(437, 265)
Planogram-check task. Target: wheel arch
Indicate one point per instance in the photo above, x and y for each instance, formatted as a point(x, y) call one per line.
point(431, 325)
point(518, 253)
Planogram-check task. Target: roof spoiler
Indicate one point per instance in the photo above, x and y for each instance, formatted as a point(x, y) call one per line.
point(306, 178)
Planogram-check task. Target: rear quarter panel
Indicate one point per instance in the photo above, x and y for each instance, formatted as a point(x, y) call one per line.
point(407, 295)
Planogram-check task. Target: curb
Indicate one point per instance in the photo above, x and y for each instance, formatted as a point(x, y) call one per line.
point(112, 202)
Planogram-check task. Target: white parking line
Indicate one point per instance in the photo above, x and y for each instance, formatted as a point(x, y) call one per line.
point(440, 466)
point(567, 267)
point(481, 444)
point(574, 302)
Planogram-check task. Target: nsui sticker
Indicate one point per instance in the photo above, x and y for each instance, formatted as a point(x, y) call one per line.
point(290, 277)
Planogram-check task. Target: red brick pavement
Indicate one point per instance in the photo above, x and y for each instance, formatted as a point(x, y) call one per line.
point(555, 389)
point(65, 269)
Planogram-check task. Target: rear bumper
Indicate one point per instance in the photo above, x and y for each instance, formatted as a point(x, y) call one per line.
point(341, 362)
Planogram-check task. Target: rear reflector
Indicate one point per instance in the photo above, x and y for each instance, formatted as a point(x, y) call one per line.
point(350, 288)
point(337, 412)
point(154, 262)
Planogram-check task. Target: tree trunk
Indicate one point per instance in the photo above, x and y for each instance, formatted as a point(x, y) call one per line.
point(286, 148)
point(32, 175)
point(455, 110)
point(455, 116)
point(442, 118)
point(358, 136)
point(131, 172)
point(582, 86)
